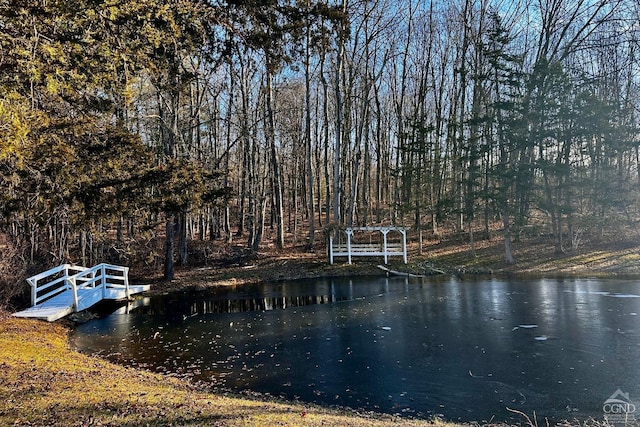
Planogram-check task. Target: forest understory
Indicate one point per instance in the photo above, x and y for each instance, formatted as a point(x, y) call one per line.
point(615, 254)
point(219, 263)
point(452, 254)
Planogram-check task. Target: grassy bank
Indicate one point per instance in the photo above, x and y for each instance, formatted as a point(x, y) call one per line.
point(45, 383)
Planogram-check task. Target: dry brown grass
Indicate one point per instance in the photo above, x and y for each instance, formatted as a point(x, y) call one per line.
point(450, 253)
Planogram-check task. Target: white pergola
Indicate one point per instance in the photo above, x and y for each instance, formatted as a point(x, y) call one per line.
point(385, 249)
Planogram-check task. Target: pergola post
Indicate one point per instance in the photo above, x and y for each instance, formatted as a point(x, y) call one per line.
point(384, 232)
point(349, 232)
point(404, 244)
point(331, 249)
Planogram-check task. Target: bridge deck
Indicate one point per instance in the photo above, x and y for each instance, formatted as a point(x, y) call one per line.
point(62, 304)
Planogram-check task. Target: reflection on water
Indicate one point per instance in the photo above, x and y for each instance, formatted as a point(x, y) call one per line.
point(459, 349)
point(212, 306)
point(262, 297)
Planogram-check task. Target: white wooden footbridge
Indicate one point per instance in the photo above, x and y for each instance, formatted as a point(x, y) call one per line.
point(70, 288)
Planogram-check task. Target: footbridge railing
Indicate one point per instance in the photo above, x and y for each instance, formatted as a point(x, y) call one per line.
point(77, 279)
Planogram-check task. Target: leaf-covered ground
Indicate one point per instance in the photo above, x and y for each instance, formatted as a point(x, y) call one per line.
point(450, 254)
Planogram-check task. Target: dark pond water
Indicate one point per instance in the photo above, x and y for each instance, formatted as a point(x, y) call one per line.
point(462, 350)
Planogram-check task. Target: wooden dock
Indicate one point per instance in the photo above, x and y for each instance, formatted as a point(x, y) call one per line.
point(67, 289)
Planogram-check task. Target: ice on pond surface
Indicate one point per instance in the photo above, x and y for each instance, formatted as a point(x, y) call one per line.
point(586, 292)
point(328, 342)
point(515, 328)
point(603, 293)
point(623, 295)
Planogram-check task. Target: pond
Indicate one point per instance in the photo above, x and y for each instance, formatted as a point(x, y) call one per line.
point(462, 350)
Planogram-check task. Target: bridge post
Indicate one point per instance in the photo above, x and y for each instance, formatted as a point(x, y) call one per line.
point(127, 292)
point(34, 290)
point(65, 269)
point(103, 280)
point(74, 291)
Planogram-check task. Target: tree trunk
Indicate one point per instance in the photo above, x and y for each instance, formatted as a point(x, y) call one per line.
point(168, 247)
point(275, 163)
point(337, 173)
point(508, 254)
point(227, 214)
point(325, 137)
point(307, 137)
point(182, 239)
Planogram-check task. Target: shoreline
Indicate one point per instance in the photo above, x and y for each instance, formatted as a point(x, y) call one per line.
point(535, 258)
point(43, 381)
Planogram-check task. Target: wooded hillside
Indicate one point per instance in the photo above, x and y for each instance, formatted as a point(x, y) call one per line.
point(130, 131)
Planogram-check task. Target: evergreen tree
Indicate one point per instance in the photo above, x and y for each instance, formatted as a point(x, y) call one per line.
point(506, 118)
